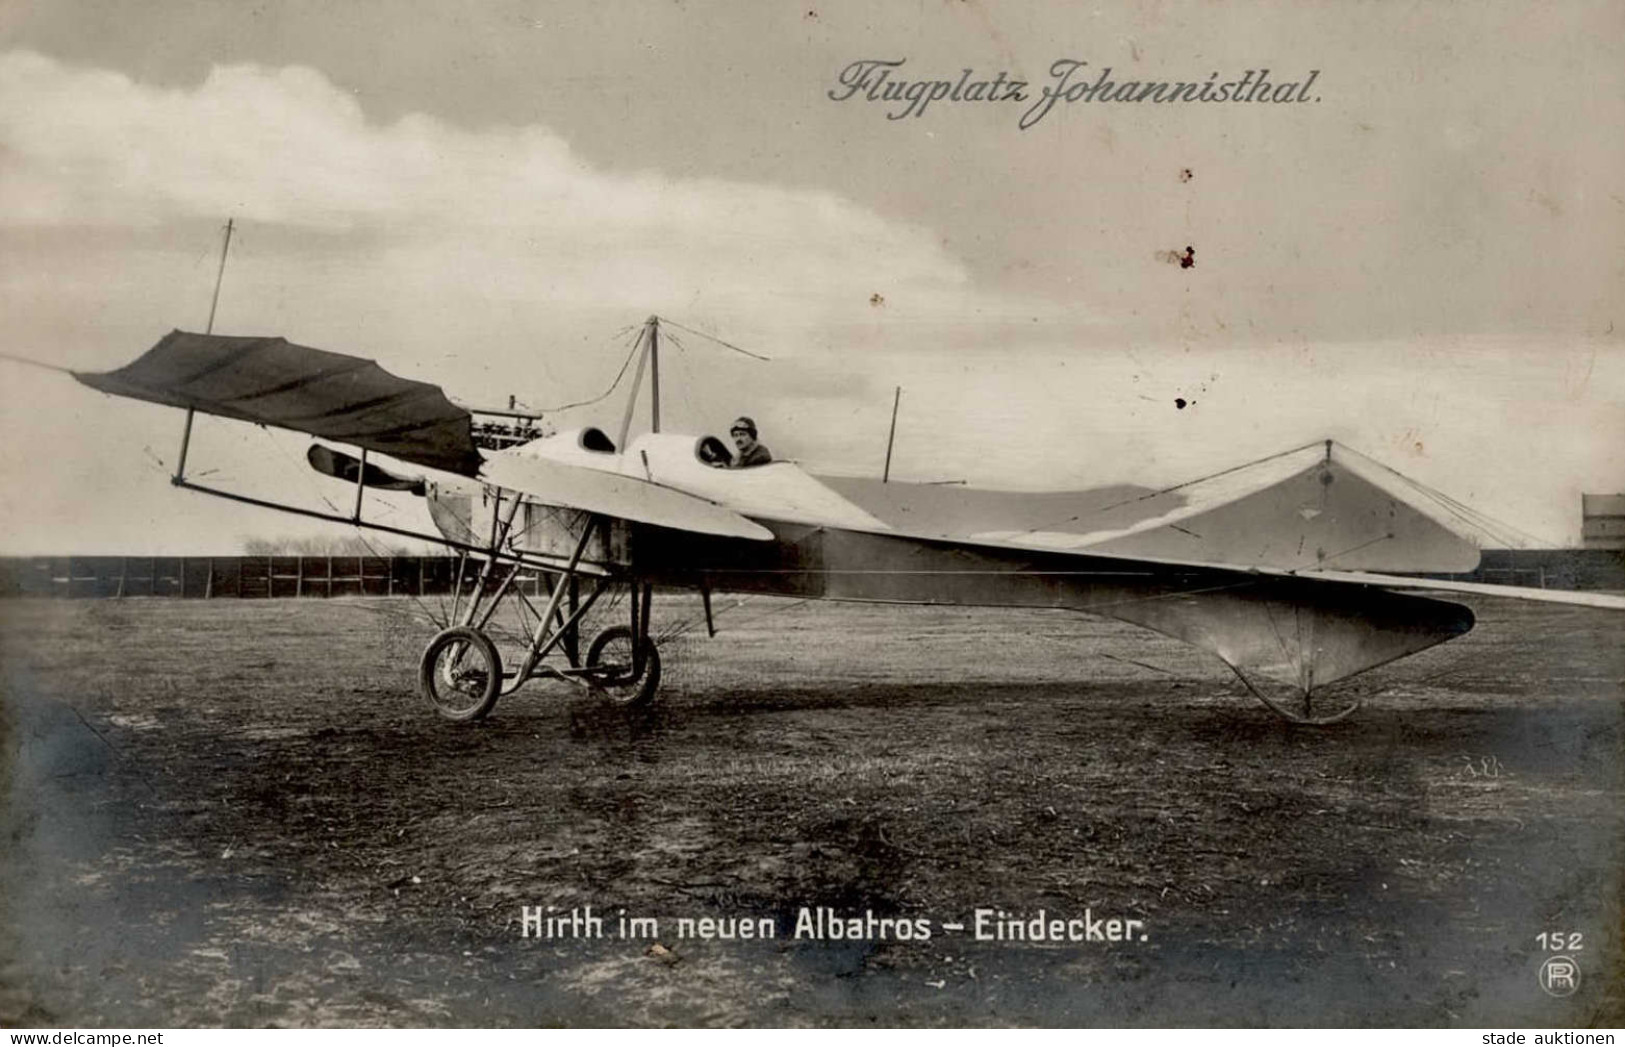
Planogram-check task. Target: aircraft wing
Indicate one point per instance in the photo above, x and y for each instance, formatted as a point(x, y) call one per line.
point(1576, 598)
point(346, 399)
point(271, 381)
point(578, 487)
point(1319, 507)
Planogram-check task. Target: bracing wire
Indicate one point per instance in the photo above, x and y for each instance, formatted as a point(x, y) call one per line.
point(1500, 530)
point(714, 338)
point(373, 550)
point(1495, 528)
point(35, 363)
point(633, 351)
point(1169, 490)
point(686, 381)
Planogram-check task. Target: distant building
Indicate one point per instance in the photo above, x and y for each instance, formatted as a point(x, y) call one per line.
point(1602, 521)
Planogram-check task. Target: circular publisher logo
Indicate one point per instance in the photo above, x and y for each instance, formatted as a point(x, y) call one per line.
point(1560, 976)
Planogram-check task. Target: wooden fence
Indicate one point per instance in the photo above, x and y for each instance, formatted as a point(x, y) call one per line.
point(239, 577)
point(1589, 569)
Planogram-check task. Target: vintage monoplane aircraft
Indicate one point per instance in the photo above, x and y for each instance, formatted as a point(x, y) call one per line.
point(1285, 568)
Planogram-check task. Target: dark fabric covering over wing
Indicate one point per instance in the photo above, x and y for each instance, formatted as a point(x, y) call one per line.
point(271, 381)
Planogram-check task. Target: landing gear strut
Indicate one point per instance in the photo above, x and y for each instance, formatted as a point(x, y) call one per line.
point(461, 672)
point(1309, 707)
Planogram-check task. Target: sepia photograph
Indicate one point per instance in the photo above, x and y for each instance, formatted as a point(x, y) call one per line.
point(687, 513)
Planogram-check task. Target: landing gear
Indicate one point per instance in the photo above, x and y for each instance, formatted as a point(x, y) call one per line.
point(1306, 712)
point(626, 671)
point(461, 674)
point(1309, 707)
point(461, 671)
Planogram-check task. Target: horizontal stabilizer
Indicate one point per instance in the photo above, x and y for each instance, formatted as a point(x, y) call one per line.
point(347, 467)
point(271, 381)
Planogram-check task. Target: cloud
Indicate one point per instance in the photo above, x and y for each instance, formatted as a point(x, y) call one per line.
point(511, 211)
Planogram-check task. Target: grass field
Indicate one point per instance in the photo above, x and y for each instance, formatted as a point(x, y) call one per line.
point(240, 813)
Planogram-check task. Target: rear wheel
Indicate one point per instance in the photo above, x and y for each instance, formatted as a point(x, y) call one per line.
point(461, 674)
point(611, 652)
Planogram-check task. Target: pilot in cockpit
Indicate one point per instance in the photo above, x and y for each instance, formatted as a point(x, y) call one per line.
point(751, 451)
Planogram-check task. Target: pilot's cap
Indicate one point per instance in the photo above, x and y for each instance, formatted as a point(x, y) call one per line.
point(743, 424)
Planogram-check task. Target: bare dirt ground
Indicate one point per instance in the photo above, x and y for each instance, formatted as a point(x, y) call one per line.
point(240, 813)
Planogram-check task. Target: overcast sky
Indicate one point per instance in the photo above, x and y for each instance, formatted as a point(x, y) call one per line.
point(1424, 259)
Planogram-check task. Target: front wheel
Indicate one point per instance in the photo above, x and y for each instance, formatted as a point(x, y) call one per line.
point(461, 674)
point(611, 653)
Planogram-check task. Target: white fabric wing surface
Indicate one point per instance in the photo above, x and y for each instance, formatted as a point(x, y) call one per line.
point(577, 487)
